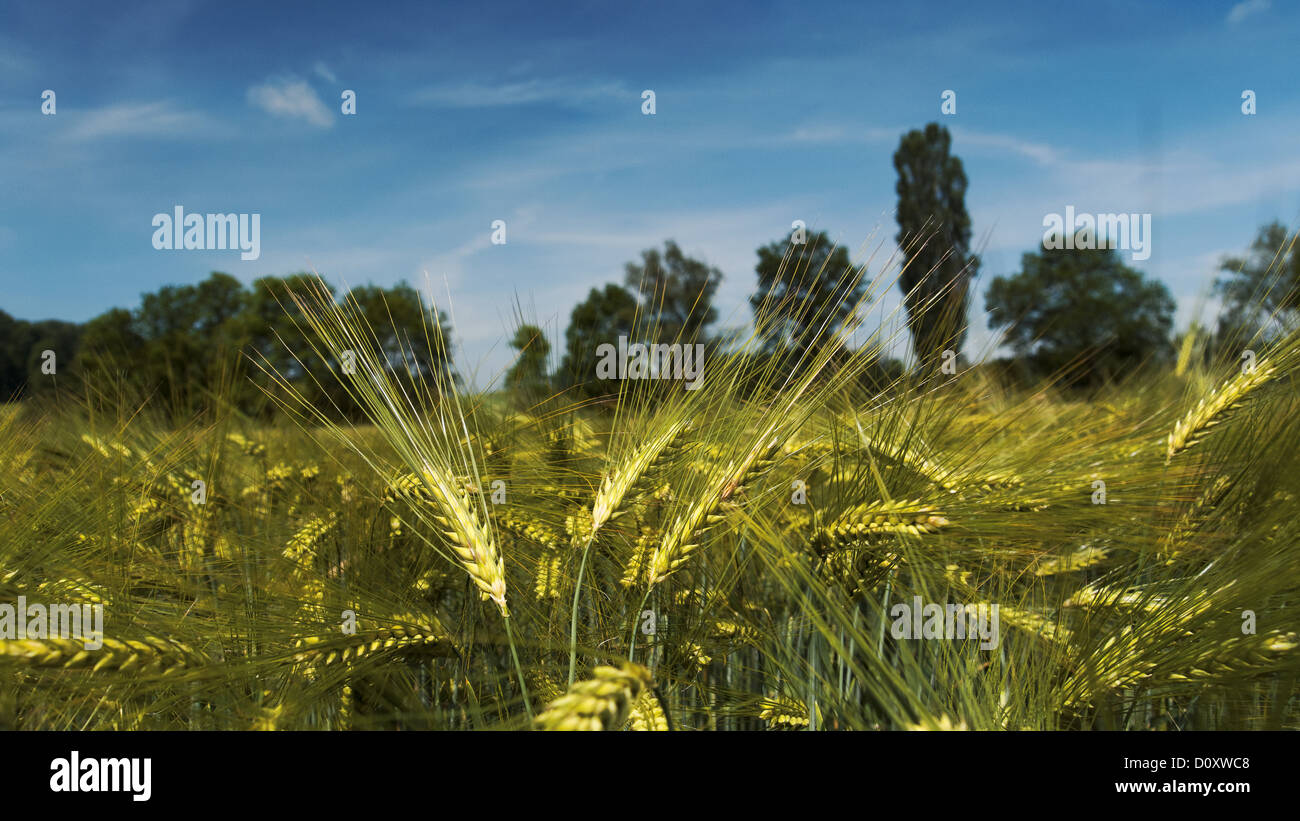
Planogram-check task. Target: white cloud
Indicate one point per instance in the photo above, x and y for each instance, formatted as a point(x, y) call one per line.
point(818, 134)
point(323, 71)
point(1247, 8)
point(449, 264)
point(1184, 182)
point(478, 95)
point(293, 99)
point(825, 134)
point(157, 119)
point(1038, 152)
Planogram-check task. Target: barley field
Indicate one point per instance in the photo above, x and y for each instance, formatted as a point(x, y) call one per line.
point(726, 558)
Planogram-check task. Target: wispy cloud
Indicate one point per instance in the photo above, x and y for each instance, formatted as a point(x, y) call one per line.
point(156, 119)
point(1247, 8)
point(323, 71)
point(292, 99)
point(818, 134)
point(829, 134)
point(1038, 152)
point(556, 90)
point(822, 134)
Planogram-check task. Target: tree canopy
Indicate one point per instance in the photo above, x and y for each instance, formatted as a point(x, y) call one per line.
point(934, 233)
point(604, 316)
point(1081, 314)
point(804, 294)
point(22, 345)
point(528, 374)
point(1261, 290)
point(183, 339)
point(675, 293)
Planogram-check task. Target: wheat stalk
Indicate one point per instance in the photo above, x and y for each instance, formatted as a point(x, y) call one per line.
point(148, 655)
point(1084, 557)
point(602, 702)
point(642, 551)
point(547, 580)
point(879, 518)
point(620, 481)
point(301, 548)
point(648, 714)
point(402, 418)
point(1130, 656)
point(1191, 520)
point(737, 633)
point(942, 723)
point(326, 651)
point(1046, 628)
point(1240, 655)
point(682, 536)
point(471, 541)
point(84, 591)
point(522, 524)
point(1217, 408)
point(783, 712)
point(346, 704)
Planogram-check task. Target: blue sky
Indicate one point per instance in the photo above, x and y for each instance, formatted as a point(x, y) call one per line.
point(531, 113)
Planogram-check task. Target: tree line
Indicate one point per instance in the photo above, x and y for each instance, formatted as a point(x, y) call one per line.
point(186, 342)
point(1076, 314)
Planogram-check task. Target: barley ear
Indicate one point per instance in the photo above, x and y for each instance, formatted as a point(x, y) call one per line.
point(620, 481)
point(1216, 408)
point(602, 702)
point(152, 654)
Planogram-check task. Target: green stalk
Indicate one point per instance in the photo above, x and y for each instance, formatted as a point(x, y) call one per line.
point(519, 670)
point(573, 614)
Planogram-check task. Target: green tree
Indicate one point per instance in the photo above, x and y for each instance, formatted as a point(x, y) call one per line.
point(185, 340)
point(602, 317)
point(1081, 314)
point(188, 344)
point(528, 374)
point(156, 351)
point(277, 338)
point(804, 293)
point(22, 345)
point(14, 345)
point(675, 293)
point(414, 341)
point(1261, 292)
point(412, 338)
point(934, 233)
point(110, 347)
point(64, 339)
